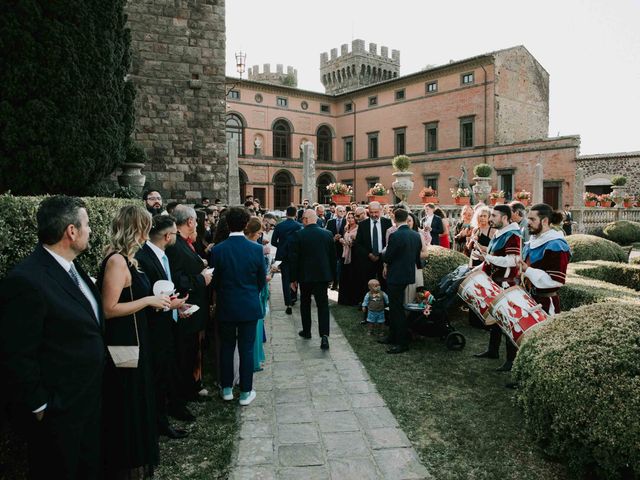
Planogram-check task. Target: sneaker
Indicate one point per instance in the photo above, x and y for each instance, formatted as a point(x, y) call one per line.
point(247, 397)
point(227, 394)
point(203, 392)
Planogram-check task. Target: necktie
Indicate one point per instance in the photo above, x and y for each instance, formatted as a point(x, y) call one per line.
point(165, 264)
point(339, 224)
point(375, 248)
point(75, 276)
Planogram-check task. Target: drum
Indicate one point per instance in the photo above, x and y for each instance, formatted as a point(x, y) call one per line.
point(478, 291)
point(516, 313)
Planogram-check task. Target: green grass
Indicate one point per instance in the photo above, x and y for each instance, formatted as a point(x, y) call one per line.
point(454, 408)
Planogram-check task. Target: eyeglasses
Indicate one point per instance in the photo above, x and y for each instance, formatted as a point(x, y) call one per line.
point(154, 198)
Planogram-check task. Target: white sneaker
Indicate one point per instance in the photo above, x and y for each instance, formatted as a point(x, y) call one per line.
point(226, 394)
point(247, 397)
point(204, 392)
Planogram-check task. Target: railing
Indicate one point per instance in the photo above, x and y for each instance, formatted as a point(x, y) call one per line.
point(589, 220)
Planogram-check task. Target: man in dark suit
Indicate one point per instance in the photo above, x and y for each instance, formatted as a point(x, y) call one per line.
point(336, 227)
point(190, 276)
point(432, 223)
point(52, 351)
point(313, 266)
point(154, 262)
point(282, 235)
point(567, 220)
point(330, 212)
point(401, 257)
point(368, 246)
point(238, 277)
point(305, 206)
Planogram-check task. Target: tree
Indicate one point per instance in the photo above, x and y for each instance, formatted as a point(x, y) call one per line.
point(66, 111)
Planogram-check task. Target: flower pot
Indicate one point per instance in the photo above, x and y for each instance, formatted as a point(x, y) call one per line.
point(605, 204)
point(403, 185)
point(463, 200)
point(341, 199)
point(589, 203)
point(377, 198)
point(131, 176)
point(429, 199)
point(628, 204)
point(524, 201)
point(496, 201)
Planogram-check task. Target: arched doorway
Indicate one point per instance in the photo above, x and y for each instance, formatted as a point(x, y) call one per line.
point(243, 185)
point(322, 182)
point(282, 190)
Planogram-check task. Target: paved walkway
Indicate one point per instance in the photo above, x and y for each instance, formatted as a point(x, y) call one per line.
point(317, 414)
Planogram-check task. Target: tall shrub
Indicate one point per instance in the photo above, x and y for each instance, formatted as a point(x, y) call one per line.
point(66, 111)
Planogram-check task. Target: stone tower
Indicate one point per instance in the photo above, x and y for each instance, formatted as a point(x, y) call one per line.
point(289, 79)
point(178, 69)
point(358, 68)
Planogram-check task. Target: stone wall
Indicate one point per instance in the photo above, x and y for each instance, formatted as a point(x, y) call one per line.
point(178, 68)
point(607, 166)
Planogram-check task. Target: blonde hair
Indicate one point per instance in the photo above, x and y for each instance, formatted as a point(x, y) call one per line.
point(131, 223)
point(254, 225)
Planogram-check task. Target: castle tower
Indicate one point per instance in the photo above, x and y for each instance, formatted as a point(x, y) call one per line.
point(289, 79)
point(358, 68)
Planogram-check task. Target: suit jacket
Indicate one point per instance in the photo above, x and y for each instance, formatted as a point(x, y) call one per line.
point(332, 226)
point(160, 323)
point(437, 228)
point(312, 255)
point(186, 266)
point(402, 256)
point(51, 344)
point(282, 235)
point(362, 243)
point(239, 276)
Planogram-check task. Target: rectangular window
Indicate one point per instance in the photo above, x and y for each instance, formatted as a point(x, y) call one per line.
point(371, 181)
point(431, 181)
point(373, 101)
point(348, 149)
point(432, 87)
point(325, 108)
point(399, 94)
point(505, 183)
point(373, 145)
point(431, 132)
point(261, 194)
point(467, 78)
point(466, 132)
point(234, 95)
point(348, 107)
point(400, 140)
point(282, 102)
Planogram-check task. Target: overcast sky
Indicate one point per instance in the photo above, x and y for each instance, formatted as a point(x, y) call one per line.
point(590, 48)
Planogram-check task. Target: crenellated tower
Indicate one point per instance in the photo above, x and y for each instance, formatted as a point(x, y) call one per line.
point(289, 79)
point(358, 68)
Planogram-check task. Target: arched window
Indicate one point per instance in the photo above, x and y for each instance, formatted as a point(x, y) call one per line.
point(282, 189)
point(281, 140)
point(322, 182)
point(324, 144)
point(235, 131)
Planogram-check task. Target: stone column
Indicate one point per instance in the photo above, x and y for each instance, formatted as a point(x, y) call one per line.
point(537, 195)
point(233, 174)
point(578, 204)
point(309, 189)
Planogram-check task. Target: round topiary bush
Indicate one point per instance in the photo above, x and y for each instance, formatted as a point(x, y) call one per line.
point(482, 170)
point(401, 163)
point(579, 384)
point(623, 232)
point(618, 180)
point(440, 262)
point(590, 247)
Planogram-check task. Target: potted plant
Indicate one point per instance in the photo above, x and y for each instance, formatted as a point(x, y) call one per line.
point(482, 177)
point(461, 196)
point(482, 170)
point(605, 200)
point(340, 193)
point(496, 197)
point(627, 201)
point(377, 193)
point(618, 180)
point(403, 185)
point(619, 190)
point(131, 176)
point(523, 197)
point(590, 199)
point(428, 195)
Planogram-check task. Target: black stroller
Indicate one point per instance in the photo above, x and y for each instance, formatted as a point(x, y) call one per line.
point(437, 324)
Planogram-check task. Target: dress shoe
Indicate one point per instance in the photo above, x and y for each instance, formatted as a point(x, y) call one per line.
point(397, 349)
point(304, 335)
point(288, 311)
point(385, 341)
point(324, 343)
point(173, 433)
point(247, 397)
point(182, 414)
point(505, 367)
point(487, 354)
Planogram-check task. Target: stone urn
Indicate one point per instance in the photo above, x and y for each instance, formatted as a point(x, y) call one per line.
point(132, 177)
point(618, 193)
point(482, 188)
point(403, 185)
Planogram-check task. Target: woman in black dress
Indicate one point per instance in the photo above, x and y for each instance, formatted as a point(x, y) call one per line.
point(347, 295)
point(130, 437)
point(480, 238)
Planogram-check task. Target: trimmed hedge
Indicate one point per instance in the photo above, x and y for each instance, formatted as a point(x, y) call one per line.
point(635, 261)
point(590, 247)
point(579, 378)
point(625, 275)
point(19, 230)
point(440, 262)
point(623, 232)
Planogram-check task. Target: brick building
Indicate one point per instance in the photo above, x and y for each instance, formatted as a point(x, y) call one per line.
point(492, 108)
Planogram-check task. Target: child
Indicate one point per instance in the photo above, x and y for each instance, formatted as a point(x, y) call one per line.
point(373, 304)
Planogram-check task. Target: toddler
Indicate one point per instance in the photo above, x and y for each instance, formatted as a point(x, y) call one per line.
point(373, 304)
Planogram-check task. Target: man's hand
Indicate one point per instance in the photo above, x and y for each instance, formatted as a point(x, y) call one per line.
point(294, 286)
point(479, 254)
point(207, 276)
point(337, 237)
point(177, 302)
point(374, 258)
point(39, 415)
point(384, 271)
point(523, 266)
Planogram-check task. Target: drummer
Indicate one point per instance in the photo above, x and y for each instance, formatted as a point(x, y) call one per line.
point(545, 258)
point(500, 262)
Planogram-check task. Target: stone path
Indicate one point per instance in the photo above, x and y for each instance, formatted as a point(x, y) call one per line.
point(317, 414)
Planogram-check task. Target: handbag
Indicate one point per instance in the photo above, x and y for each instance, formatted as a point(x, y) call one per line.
point(126, 356)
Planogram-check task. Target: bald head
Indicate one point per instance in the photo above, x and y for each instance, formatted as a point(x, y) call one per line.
point(309, 217)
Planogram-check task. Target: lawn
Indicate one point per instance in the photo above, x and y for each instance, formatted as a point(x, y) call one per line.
point(454, 408)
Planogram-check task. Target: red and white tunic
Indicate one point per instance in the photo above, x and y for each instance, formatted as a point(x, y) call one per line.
point(501, 261)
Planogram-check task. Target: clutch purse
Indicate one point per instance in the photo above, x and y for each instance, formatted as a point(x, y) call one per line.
point(126, 356)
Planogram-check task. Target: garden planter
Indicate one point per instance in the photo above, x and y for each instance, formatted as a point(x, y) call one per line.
point(627, 204)
point(524, 201)
point(605, 204)
point(403, 185)
point(131, 176)
point(496, 201)
point(482, 188)
point(463, 201)
point(341, 199)
point(377, 198)
point(590, 203)
point(429, 199)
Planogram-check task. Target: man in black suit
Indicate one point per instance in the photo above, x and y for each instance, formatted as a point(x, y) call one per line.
point(52, 351)
point(432, 223)
point(305, 206)
point(336, 227)
point(567, 220)
point(154, 262)
point(369, 244)
point(313, 265)
point(281, 238)
point(402, 257)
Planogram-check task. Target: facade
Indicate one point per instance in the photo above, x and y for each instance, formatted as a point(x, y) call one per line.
point(600, 169)
point(492, 108)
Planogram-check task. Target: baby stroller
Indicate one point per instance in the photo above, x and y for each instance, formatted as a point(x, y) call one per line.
point(436, 323)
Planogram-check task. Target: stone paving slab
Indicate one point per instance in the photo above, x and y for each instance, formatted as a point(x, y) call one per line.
point(317, 415)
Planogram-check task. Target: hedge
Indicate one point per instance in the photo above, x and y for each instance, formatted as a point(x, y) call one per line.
point(625, 275)
point(579, 378)
point(635, 260)
point(439, 262)
point(18, 228)
point(590, 247)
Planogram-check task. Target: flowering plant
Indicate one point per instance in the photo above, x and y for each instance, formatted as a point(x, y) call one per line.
point(497, 194)
point(605, 197)
point(339, 189)
point(428, 192)
point(460, 192)
point(523, 195)
point(377, 189)
point(589, 197)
